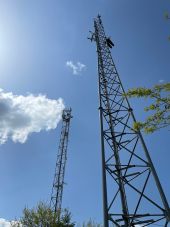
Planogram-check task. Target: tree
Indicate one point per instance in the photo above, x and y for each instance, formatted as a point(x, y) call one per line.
point(43, 216)
point(160, 107)
point(91, 223)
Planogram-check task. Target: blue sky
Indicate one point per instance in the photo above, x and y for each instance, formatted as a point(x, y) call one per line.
point(37, 38)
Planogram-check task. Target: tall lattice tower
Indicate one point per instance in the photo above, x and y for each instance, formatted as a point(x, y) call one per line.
point(132, 193)
point(58, 183)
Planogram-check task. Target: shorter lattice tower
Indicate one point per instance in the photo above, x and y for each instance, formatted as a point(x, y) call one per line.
point(58, 183)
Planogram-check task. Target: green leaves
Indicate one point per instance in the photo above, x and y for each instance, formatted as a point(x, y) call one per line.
point(160, 107)
point(139, 92)
point(91, 223)
point(44, 216)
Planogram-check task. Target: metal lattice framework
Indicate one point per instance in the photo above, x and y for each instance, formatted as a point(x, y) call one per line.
point(132, 193)
point(57, 189)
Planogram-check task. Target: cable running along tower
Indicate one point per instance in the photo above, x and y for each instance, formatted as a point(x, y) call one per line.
point(132, 193)
point(57, 189)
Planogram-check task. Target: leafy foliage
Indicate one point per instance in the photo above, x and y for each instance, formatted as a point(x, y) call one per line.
point(160, 108)
point(43, 216)
point(91, 223)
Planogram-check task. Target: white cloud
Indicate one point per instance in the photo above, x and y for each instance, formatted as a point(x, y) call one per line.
point(5, 223)
point(22, 115)
point(161, 81)
point(76, 68)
